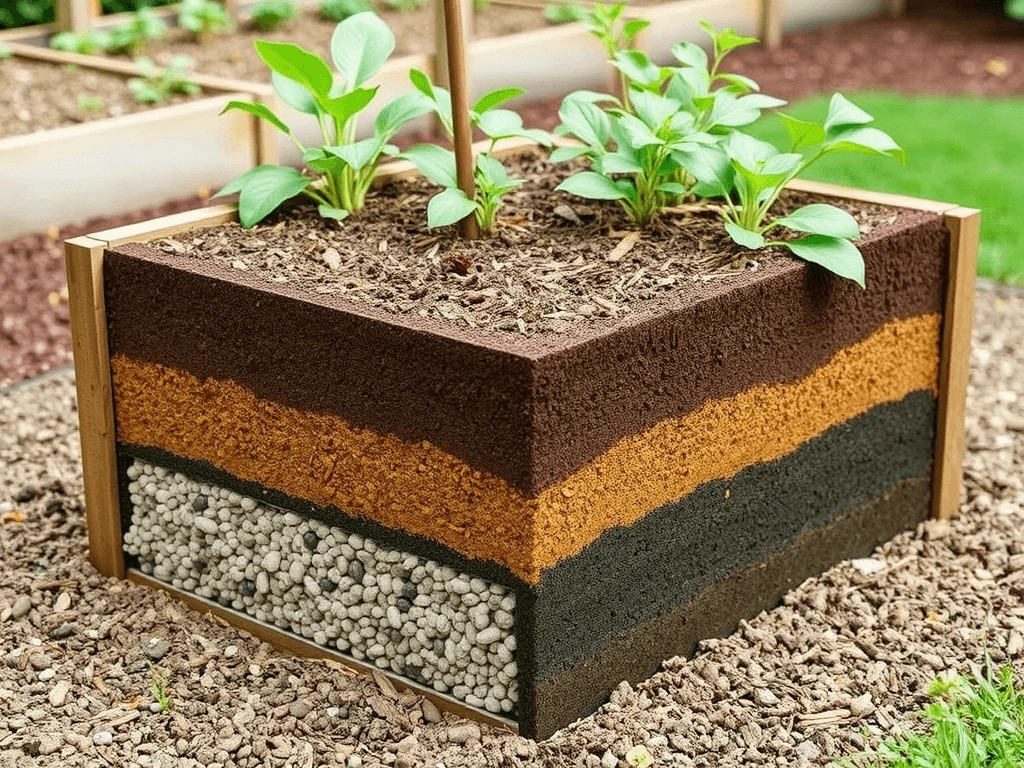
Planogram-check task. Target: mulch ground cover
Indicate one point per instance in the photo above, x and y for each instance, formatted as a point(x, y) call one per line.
point(847, 658)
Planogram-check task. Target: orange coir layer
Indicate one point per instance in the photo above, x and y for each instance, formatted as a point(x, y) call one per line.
point(425, 491)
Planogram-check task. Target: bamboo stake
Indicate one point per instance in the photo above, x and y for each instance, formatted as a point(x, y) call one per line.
point(441, 76)
point(771, 23)
point(463, 131)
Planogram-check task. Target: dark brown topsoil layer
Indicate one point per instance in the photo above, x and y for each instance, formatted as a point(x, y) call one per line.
point(233, 55)
point(34, 331)
point(554, 260)
point(36, 95)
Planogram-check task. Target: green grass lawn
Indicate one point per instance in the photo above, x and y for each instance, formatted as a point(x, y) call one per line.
point(967, 151)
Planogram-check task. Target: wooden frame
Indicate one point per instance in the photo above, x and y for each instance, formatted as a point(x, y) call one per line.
point(84, 258)
point(175, 150)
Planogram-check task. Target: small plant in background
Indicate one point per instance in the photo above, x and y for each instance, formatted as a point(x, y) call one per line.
point(159, 689)
point(268, 15)
point(88, 42)
point(157, 86)
point(1014, 9)
point(405, 6)
point(565, 13)
point(5, 52)
point(204, 18)
point(971, 723)
point(339, 10)
point(339, 173)
point(615, 34)
point(479, 5)
point(438, 164)
point(90, 104)
point(133, 36)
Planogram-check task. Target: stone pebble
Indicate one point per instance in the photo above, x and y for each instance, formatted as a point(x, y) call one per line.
point(409, 616)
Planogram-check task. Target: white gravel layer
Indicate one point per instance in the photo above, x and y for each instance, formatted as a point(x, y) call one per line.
point(409, 616)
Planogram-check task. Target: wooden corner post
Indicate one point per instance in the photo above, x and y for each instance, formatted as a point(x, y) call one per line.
point(84, 262)
point(964, 226)
point(772, 22)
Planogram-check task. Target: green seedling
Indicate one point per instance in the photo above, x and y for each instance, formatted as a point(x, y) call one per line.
point(337, 174)
point(339, 10)
point(268, 15)
point(88, 42)
point(565, 13)
point(158, 687)
point(405, 6)
point(438, 164)
point(133, 36)
point(157, 86)
point(204, 18)
point(90, 104)
point(970, 723)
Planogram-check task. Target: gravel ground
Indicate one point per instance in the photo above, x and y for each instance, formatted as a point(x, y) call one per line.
point(846, 657)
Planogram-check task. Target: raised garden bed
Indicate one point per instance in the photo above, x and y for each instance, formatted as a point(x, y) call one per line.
point(343, 438)
point(65, 163)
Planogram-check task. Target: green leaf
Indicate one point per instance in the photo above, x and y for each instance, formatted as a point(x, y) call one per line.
point(448, 207)
point(801, 132)
point(739, 83)
point(434, 162)
point(744, 237)
point(494, 98)
point(296, 63)
point(343, 108)
point(330, 212)
point(293, 94)
point(690, 54)
point(708, 164)
point(672, 188)
point(263, 189)
point(634, 27)
point(499, 123)
point(868, 140)
point(842, 112)
point(261, 111)
point(655, 109)
point(360, 46)
point(637, 67)
point(592, 185)
point(638, 133)
point(835, 254)
point(822, 219)
point(726, 40)
point(357, 155)
point(592, 97)
point(439, 97)
point(563, 154)
point(619, 162)
point(748, 151)
point(585, 121)
point(398, 112)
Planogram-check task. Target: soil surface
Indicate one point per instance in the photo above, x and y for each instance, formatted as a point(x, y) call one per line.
point(234, 56)
point(34, 331)
point(553, 260)
point(843, 661)
point(36, 96)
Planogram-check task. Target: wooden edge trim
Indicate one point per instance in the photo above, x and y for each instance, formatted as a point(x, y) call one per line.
point(298, 646)
point(131, 69)
point(84, 264)
point(954, 360)
point(167, 225)
point(652, 12)
point(866, 196)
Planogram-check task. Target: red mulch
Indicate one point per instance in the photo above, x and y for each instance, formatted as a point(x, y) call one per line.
point(956, 47)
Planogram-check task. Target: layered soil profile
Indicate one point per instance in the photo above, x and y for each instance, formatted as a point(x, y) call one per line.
point(425, 491)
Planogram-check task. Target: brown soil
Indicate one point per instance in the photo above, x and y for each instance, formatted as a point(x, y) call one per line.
point(234, 55)
point(554, 259)
point(34, 331)
point(260, 441)
point(36, 96)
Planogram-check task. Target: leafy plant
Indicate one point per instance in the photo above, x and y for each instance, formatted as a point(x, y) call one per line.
point(438, 164)
point(565, 13)
point(1014, 9)
point(90, 104)
point(268, 15)
point(158, 687)
point(204, 18)
point(156, 86)
point(86, 42)
point(405, 6)
point(133, 36)
point(338, 174)
point(339, 10)
point(678, 134)
point(975, 723)
point(615, 34)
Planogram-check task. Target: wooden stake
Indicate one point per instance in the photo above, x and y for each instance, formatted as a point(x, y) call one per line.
point(896, 7)
point(84, 261)
point(441, 76)
point(74, 15)
point(771, 22)
point(455, 40)
point(954, 363)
